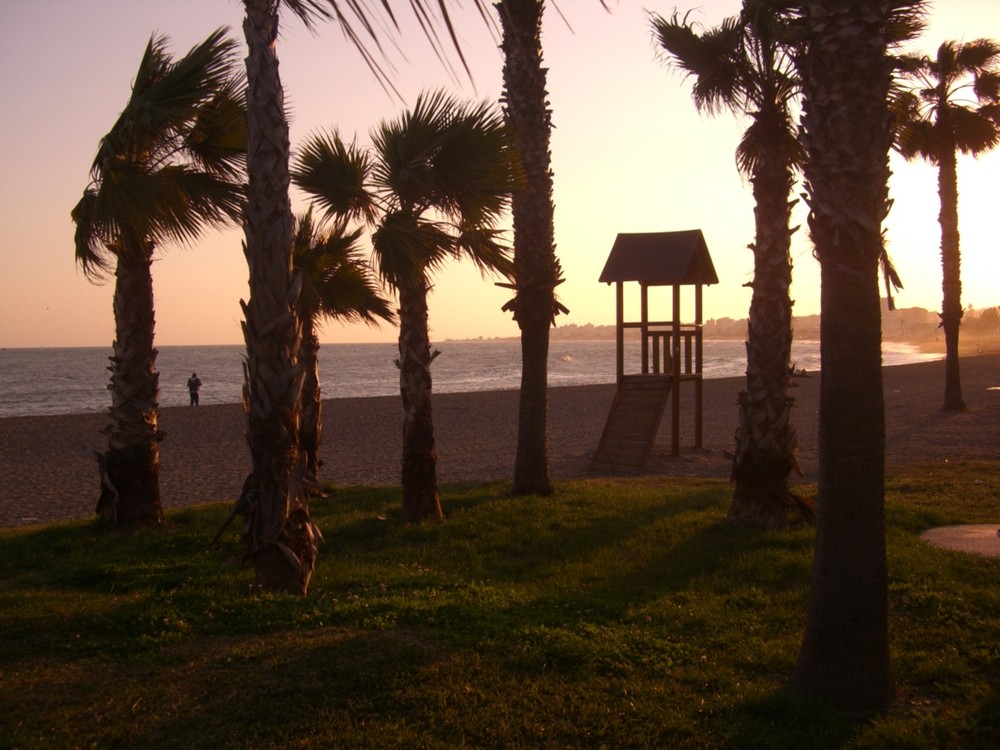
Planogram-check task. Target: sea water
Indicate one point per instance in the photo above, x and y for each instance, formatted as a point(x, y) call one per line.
point(75, 380)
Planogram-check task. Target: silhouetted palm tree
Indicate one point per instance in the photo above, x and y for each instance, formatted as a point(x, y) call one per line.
point(171, 165)
point(336, 284)
point(743, 66)
point(440, 177)
point(951, 103)
point(536, 269)
point(846, 74)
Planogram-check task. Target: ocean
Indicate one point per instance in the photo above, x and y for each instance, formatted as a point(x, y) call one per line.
point(75, 380)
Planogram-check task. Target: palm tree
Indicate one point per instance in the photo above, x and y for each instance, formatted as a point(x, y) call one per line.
point(281, 539)
point(171, 165)
point(952, 104)
point(846, 73)
point(536, 269)
point(337, 284)
point(441, 178)
point(742, 66)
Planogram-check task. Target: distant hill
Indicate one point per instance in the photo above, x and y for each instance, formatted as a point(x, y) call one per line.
point(908, 323)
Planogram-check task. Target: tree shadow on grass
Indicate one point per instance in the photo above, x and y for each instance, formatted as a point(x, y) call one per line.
point(784, 719)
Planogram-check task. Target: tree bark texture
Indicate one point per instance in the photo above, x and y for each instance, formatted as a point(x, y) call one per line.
point(845, 74)
point(282, 541)
point(766, 440)
point(536, 269)
point(311, 420)
point(419, 460)
point(951, 284)
point(130, 470)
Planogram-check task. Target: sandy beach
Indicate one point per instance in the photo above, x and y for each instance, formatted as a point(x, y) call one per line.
point(48, 475)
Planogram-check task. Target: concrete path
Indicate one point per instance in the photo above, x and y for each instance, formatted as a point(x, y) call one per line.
point(979, 539)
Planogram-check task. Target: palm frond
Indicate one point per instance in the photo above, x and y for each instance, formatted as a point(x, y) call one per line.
point(477, 165)
point(987, 86)
point(143, 192)
point(907, 20)
point(974, 132)
point(167, 96)
point(217, 139)
point(744, 65)
point(348, 292)
point(91, 252)
point(931, 105)
point(919, 139)
point(454, 162)
point(486, 250)
point(977, 56)
point(406, 148)
point(118, 140)
point(406, 248)
point(709, 58)
point(893, 283)
point(364, 24)
point(310, 11)
point(335, 175)
point(130, 200)
point(196, 199)
point(770, 135)
point(337, 281)
point(459, 159)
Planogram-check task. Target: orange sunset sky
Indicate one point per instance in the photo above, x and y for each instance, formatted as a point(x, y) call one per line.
point(630, 154)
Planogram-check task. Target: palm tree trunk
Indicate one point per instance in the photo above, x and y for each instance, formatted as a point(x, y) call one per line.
point(845, 651)
point(766, 439)
point(845, 75)
point(130, 470)
point(951, 262)
point(419, 463)
point(311, 421)
point(536, 270)
point(281, 540)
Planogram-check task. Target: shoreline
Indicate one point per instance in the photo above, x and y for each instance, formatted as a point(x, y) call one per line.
point(37, 387)
point(48, 476)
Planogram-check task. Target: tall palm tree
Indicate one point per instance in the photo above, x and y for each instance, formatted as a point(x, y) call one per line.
point(536, 269)
point(441, 177)
point(743, 66)
point(952, 104)
point(337, 284)
point(281, 539)
point(846, 74)
point(171, 165)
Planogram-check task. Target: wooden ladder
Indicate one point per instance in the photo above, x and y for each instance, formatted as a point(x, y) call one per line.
point(633, 422)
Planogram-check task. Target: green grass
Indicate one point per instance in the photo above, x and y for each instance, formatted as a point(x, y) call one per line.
point(617, 614)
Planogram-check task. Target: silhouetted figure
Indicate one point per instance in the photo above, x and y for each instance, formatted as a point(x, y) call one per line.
point(193, 385)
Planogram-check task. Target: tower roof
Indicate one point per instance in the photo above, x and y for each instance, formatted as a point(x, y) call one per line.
point(660, 258)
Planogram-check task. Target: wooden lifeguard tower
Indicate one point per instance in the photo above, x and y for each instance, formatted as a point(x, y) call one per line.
point(670, 351)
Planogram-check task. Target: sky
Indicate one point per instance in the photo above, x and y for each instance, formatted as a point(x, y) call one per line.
point(630, 154)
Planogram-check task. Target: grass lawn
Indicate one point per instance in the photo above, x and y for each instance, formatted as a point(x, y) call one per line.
point(620, 613)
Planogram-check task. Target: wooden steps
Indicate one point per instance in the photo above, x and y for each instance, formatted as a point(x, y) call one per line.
point(633, 422)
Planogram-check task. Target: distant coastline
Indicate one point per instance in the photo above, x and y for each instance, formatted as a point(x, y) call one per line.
point(914, 326)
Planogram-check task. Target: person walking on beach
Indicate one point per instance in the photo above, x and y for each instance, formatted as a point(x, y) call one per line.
point(193, 385)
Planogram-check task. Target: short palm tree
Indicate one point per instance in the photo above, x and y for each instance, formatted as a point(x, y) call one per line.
point(280, 538)
point(742, 66)
point(950, 103)
point(440, 178)
point(171, 165)
point(336, 283)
